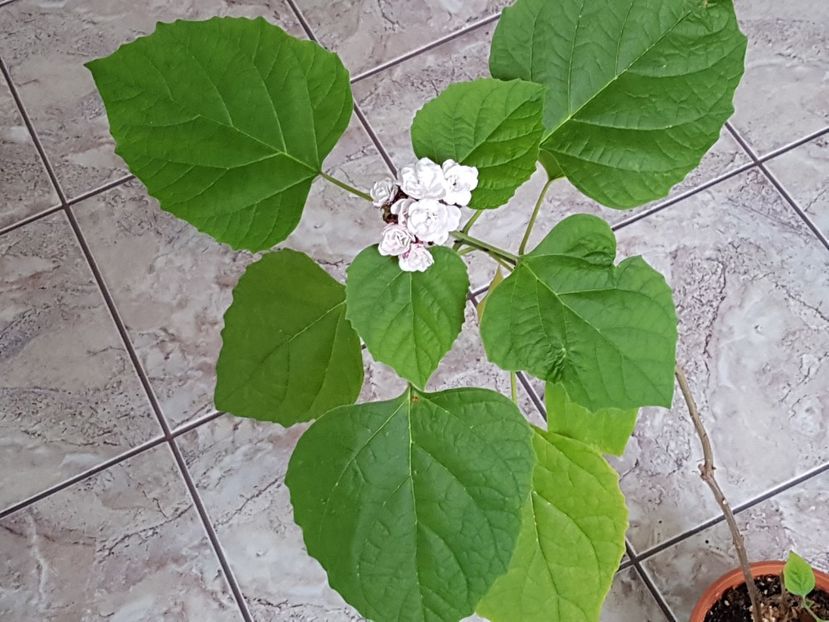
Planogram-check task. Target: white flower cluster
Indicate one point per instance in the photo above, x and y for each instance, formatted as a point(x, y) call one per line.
point(421, 207)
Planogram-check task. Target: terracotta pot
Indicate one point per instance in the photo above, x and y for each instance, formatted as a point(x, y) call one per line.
point(735, 578)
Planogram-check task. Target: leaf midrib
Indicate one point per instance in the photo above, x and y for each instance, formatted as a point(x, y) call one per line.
point(229, 125)
point(279, 346)
point(549, 134)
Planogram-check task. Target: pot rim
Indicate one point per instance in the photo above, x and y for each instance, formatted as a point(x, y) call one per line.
point(734, 577)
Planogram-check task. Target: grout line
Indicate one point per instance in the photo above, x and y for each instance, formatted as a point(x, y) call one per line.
point(792, 145)
point(778, 186)
point(534, 397)
point(195, 423)
point(425, 48)
point(684, 195)
point(79, 477)
point(375, 139)
point(32, 133)
point(306, 26)
point(101, 189)
point(211, 531)
point(651, 586)
point(30, 219)
point(133, 356)
point(738, 509)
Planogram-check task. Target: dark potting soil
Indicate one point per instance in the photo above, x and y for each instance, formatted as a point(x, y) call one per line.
point(734, 605)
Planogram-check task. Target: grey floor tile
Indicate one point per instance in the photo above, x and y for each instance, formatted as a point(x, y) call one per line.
point(45, 45)
point(391, 98)
point(793, 520)
point(367, 33)
point(123, 545)
point(25, 188)
point(630, 600)
point(239, 468)
point(804, 173)
point(69, 396)
point(784, 94)
point(173, 284)
point(751, 284)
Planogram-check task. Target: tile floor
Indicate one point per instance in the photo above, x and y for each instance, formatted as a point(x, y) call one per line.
point(124, 496)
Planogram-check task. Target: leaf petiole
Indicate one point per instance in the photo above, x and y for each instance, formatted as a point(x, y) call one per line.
point(468, 225)
point(531, 223)
point(485, 246)
point(345, 186)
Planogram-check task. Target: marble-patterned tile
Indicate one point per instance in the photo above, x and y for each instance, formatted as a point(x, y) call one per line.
point(173, 284)
point(751, 284)
point(804, 173)
point(125, 544)
point(367, 33)
point(793, 520)
point(391, 98)
point(25, 188)
point(630, 600)
point(239, 468)
point(69, 396)
point(46, 44)
point(784, 94)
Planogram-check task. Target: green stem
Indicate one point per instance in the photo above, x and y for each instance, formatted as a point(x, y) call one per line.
point(345, 186)
point(513, 388)
point(467, 250)
point(531, 224)
point(467, 226)
point(485, 246)
point(808, 608)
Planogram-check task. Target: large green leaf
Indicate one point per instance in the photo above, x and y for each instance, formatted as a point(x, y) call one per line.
point(637, 90)
point(413, 506)
point(288, 353)
point(606, 429)
point(226, 121)
point(493, 125)
point(572, 538)
point(567, 314)
point(408, 320)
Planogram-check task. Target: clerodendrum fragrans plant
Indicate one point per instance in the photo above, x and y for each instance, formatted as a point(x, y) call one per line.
point(435, 505)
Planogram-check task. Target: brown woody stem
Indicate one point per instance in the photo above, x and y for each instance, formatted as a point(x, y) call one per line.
point(706, 470)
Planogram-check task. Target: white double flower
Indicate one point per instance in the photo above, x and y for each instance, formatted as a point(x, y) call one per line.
point(428, 213)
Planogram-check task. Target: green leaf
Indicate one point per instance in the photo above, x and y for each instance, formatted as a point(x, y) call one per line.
point(288, 353)
point(572, 538)
point(567, 314)
point(226, 121)
point(798, 575)
point(408, 320)
point(493, 125)
point(636, 90)
point(413, 506)
point(606, 429)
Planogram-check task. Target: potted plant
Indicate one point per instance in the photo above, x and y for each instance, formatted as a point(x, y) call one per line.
point(440, 503)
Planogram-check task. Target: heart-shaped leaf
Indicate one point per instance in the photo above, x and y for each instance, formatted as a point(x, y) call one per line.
point(636, 90)
point(288, 353)
point(572, 538)
point(567, 314)
point(493, 125)
point(408, 320)
point(606, 429)
point(226, 121)
point(413, 506)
